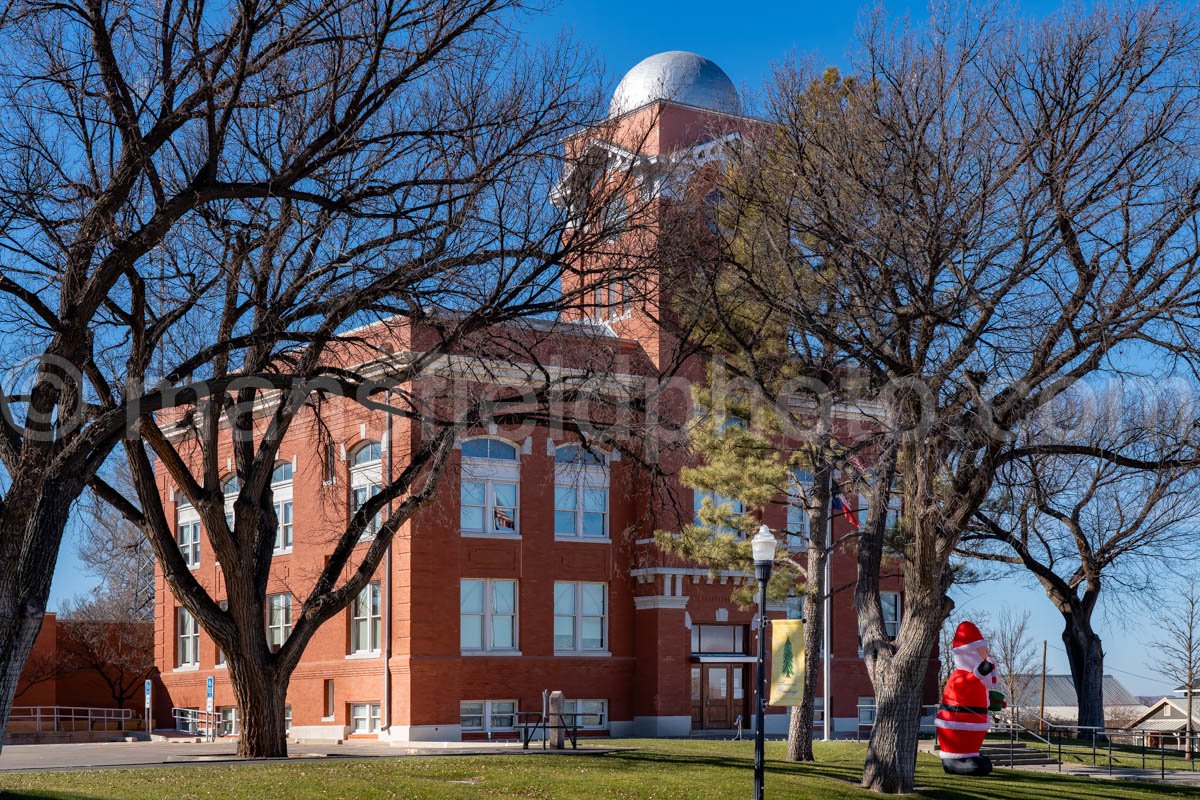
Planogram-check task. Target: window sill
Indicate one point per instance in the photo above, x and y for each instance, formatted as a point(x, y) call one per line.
point(364, 655)
point(287, 552)
point(486, 535)
point(487, 653)
point(187, 668)
point(220, 666)
point(562, 537)
point(583, 653)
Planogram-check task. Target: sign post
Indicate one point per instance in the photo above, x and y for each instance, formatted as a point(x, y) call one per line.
point(208, 707)
point(149, 706)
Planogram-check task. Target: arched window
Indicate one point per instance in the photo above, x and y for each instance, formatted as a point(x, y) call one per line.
point(281, 491)
point(366, 480)
point(490, 488)
point(282, 473)
point(368, 452)
point(581, 488)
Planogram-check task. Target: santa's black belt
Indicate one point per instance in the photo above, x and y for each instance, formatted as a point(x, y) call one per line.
point(962, 709)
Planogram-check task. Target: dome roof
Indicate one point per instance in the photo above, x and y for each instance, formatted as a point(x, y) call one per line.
point(679, 76)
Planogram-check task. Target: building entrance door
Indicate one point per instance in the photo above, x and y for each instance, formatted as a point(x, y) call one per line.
point(723, 696)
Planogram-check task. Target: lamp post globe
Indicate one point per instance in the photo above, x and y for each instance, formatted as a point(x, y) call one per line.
point(762, 548)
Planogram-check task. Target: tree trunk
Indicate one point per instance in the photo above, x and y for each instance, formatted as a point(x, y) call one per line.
point(260, 687)
point(892, 750)
point(1085, 655)
point(800, 726)
point(18, 629)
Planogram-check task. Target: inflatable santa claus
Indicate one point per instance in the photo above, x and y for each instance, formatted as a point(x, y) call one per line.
point(962, 718)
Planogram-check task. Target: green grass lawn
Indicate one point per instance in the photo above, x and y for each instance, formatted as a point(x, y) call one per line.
point(657, 769)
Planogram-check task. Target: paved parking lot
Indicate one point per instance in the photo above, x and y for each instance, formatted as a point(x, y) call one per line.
point(150, 754)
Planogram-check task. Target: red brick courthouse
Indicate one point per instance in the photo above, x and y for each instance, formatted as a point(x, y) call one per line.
point(534, 568)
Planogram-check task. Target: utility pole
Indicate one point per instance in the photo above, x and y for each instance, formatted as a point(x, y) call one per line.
point(1042, 708)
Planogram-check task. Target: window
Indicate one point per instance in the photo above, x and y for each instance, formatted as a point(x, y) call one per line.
point(866, 711)
point(281, 490)
point(366, 478)
point(366, 621)
point(327, 713)
point(187, 531)
point(328, 462)
point(580, 616)
point(487, 715)
point(718, 500)
point(230, 488)
point(588, 714)
point(718, 638)
point(891, 613)
point(287, 719)
point(488, 493)
point(612, 300)
point(187, 633)
point(279, 619)
point(364, 718)
point(581, 484)
point(220, 661)
point(228, 724)
point(799, 491)
point(488, 615)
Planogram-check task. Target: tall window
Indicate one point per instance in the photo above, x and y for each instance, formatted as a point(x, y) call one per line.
point(281, 490)
point(366, 477)
point(488, 615)
point(487, 715)
point(891, 613)
point(580, 616)
point(187, 634)
point(279, 619)
point(581, 484)
point(718, 500)
point(366, 621)
point(488, 494)
point(228, 725)
point(220, 662)
point(187, 531)
point(799, 491)
point(364, 718)
point(229, 489)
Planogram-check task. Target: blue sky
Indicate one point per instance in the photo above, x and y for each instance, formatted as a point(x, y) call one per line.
point(745, 39)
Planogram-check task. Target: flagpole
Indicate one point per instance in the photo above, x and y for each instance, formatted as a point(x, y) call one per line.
point(826, 639)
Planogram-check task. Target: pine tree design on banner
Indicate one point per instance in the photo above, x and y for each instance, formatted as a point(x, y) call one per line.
point(789, 656)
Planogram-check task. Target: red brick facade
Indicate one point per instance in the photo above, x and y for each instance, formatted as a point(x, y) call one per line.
point(641, 667)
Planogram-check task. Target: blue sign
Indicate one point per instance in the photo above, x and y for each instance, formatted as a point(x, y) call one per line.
point(147, 692)
point(209, 705)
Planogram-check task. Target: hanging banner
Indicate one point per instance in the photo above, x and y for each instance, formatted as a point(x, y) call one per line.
point(787, 662)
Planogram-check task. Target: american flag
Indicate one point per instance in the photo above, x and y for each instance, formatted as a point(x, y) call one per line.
point(504, 520)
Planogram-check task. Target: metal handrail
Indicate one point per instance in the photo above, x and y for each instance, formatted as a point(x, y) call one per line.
point(52, 718)
point(1104, 742)
point(197, 722)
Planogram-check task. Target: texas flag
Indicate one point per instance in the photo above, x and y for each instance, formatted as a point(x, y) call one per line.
point(842, 509)
point(504, 520)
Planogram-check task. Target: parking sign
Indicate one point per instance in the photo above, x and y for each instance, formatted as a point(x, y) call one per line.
point(209, 702)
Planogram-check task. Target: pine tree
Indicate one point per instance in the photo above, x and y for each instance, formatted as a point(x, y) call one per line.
point(788, 669)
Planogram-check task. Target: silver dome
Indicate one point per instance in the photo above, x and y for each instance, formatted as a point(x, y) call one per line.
point(679, 76)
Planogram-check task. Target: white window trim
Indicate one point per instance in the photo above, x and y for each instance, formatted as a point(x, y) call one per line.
point(374, 721)
point(366, 476)
point(180, 665)
point(375, 652)
point(187, 515)
point(603, 714)
point(489, 472)
point(577, 650)
point(581, 477)
point(487, 614)
point(487, 714)
point(285, 627)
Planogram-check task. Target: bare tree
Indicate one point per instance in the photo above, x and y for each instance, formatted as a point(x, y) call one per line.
point(1178, 650)
point(1016, 656)
point(978, 226)
point(152, 156)
point(118, 554)
point(103, 639)
point(1081, 524)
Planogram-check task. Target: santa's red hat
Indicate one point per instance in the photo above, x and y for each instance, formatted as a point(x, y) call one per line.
point(968, 637)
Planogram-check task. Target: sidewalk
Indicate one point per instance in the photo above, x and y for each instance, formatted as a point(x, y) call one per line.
point(26, 757)
point(1173, 777)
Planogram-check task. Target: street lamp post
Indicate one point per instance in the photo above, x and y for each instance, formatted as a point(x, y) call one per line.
point(762, 546)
